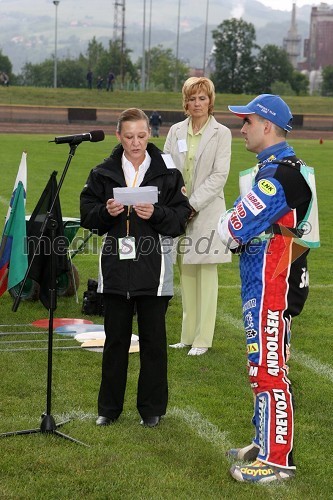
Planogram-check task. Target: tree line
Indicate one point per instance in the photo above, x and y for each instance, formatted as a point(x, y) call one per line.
point(237, 65)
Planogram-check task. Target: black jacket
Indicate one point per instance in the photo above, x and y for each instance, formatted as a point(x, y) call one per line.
point(151, 272)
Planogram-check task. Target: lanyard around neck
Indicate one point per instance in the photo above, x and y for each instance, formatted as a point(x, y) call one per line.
point(129, 208)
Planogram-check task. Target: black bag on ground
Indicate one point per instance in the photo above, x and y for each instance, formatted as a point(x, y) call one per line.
point(92, 300)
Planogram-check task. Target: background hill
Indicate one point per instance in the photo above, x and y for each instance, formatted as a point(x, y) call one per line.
point(28, 29)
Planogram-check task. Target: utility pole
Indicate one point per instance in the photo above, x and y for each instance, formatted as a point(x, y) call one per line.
point(119, 33)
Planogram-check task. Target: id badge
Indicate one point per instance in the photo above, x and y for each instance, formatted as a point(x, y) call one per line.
point(182, 145)
point(126, 247)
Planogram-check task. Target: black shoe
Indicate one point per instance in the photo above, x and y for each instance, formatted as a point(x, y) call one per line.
point(150, 421)
point(105, 420)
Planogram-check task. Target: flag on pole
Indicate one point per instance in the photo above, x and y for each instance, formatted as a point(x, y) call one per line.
point(21, 176)
point(13, 257)
point(40, 248)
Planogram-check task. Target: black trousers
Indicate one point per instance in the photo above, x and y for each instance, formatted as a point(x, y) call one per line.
point(152, 393)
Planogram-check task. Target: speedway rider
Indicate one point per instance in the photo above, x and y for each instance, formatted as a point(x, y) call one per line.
point(272, 226)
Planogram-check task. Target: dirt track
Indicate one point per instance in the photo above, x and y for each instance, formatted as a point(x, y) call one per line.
point(74, 128)
point(56, 120)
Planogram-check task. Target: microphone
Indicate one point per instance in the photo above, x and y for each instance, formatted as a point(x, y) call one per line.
point(93, 136)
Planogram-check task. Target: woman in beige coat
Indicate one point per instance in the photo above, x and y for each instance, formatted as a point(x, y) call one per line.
point(201, 150)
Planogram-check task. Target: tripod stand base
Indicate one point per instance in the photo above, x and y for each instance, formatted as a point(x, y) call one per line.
point(48, 426)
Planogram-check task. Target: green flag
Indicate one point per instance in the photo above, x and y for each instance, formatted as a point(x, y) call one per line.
point(18, 263)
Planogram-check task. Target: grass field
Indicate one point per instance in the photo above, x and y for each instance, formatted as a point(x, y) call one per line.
point(210, 405)
point(120, 99)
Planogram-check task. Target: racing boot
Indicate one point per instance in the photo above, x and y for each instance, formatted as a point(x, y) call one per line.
point(247, 453)
point(258, 472)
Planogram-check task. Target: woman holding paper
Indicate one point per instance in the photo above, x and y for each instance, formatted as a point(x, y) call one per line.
point(201, 150)
point(136, 263)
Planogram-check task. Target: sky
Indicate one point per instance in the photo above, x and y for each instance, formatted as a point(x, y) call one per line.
point(287, 4)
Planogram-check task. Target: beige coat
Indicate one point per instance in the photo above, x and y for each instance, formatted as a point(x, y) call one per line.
point(211, 169)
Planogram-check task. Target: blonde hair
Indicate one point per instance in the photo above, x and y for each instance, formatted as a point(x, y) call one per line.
point(196, 84)
point(132, 115)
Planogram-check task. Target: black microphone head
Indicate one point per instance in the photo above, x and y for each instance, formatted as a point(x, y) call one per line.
point(97, 135)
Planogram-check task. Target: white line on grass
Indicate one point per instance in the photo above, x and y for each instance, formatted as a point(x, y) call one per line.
point(34, 341)
point(205, 429)
point(76, 415)
point(322, 369)
point(18, 324)
point(23, 333)
point(194, 420)
point(231, 320)
point(317, 367)
point(39, 348)
point(210, 433)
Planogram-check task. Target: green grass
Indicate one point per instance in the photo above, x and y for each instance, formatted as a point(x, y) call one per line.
point(146, 100)
point(210, 403)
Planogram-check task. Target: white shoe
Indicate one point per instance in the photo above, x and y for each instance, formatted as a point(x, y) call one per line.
point(197, 351)
point(179, 345)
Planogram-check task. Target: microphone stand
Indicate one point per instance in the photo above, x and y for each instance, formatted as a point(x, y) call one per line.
point(48, 424)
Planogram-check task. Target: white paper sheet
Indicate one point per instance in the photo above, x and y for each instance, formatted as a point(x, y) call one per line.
point(134, 195)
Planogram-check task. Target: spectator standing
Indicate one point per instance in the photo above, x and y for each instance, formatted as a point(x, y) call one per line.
point(89, 79)
point(155, 121)
point(4, 78)
point(110, 81)
point(100, 81)
point(201, 150)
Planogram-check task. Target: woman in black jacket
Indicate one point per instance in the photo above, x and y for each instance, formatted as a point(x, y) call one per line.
point(136, 264)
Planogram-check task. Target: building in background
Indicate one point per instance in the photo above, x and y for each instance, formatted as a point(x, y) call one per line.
point(292, 42)
point(318, 48)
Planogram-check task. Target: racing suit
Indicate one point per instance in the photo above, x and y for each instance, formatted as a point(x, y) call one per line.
point(266, 228)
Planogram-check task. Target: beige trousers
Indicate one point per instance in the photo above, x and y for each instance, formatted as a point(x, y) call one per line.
point(199, 289)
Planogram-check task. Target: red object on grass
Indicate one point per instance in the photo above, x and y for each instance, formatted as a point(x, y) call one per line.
point(44, 323)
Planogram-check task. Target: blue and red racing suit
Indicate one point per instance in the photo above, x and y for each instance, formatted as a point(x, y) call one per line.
point(265, 228)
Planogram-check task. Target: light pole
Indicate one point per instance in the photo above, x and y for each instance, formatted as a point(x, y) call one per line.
point(149, 44)
point(143, 63)
point(56, 3)
point(205, 41)
point(177, 48)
